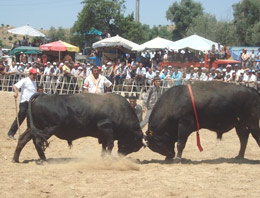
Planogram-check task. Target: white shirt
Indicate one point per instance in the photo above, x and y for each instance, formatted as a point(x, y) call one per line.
point(47, 71)
point(150, 76)
point(28, 88)
point(96, 85)
point(141, 71)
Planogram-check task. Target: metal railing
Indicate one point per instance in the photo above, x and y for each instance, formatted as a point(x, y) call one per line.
point(72, 85)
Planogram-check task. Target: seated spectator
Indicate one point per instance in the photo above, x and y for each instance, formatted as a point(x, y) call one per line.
point(140, 76)
point(120, 73)
point(219, 76)
point(149, 77)
point(177, 76)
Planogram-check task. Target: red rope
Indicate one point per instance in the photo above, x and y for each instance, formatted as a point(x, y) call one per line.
point(196, 117)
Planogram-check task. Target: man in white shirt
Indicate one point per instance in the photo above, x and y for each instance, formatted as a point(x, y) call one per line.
point(96, 83)
point(140, 76)
point(28, 88)
point(149, 76)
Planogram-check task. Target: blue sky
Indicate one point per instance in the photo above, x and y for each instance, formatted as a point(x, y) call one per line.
point(47, 13)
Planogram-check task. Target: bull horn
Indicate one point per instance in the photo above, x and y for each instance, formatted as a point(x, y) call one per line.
point(145, 143)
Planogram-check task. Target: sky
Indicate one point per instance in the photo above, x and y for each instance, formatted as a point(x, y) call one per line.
point(63, 13)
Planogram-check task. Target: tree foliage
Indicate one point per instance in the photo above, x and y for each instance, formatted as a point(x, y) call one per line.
point(209, 27)
point(182, 15)
point(108, 16)
point(247, 21)
point(57, 34)
point(103, 15)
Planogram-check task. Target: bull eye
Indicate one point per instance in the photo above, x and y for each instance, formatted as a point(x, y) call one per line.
point(150, 132)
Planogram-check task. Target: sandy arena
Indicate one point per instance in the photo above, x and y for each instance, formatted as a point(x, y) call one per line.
point(81, 172)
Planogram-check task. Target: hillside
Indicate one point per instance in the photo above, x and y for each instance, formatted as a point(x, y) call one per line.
point(8, 38)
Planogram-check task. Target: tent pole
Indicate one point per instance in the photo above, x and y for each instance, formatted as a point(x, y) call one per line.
point(59, 56)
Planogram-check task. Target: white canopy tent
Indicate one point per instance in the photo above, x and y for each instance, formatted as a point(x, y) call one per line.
point(115, 41)
point(194, 42)
point(26, 30)
point(155, 44)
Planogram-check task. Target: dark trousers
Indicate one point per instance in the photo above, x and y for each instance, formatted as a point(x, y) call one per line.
point(23, 107)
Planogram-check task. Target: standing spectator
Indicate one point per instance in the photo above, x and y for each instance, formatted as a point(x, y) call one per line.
point(28, 88)
point(252, 59)
point(245, 58)
point(96, 83)
point(257, 82)
point(137, 108)
point(80, 78)
point(212, 55)
point(150, 99)
point(128, 78)
point(258, 57)
point(47, 77)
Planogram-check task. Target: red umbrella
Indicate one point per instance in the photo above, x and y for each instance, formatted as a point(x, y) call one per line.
point(59, 46)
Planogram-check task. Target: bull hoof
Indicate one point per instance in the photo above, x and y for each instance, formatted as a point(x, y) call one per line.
point(239, 157)
point(15, 161)
point(177, 160)
point(168, 159)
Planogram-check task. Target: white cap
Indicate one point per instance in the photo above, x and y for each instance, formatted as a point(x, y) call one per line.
point(80, 68)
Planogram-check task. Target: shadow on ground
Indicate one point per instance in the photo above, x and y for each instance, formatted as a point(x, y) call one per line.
point(210, 161)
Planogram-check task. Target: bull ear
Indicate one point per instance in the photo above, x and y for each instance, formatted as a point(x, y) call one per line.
point(149, 133)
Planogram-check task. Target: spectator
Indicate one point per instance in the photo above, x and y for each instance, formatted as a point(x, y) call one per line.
point(96, 83)
point(245, 58)
point(137, 108)
point(177, 76)
point(28, 88)
point(219, 76)
point(120, 74)
point(150, 99)
point(140, 76)
point(149, 76)
point(108, 73)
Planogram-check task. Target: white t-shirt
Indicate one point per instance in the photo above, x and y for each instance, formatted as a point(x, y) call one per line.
point(96, 85)
point(28, 88)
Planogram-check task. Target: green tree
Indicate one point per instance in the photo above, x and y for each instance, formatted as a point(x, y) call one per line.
point(209, 27)
point(128, 28)
point(1, 43)
point(246, 21)
point(57, 34)
point(182, 15)
point(100, 14)
point(10, 38)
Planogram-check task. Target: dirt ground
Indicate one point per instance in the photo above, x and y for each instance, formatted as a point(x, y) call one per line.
point(81, 172)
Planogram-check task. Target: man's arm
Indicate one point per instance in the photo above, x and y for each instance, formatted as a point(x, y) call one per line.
point(15, 91)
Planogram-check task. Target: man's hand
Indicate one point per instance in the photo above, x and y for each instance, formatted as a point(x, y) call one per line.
point(15, 95)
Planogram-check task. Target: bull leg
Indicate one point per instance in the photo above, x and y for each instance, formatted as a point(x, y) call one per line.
point(254, 129)
point(106, 136)
point(184, 129)
point(243, 134)
point(22, 141)
point(39, 148)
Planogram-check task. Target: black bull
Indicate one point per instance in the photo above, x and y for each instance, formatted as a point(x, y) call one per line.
point(220, 107)
point(107, 117)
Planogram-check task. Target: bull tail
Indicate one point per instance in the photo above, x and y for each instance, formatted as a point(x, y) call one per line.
point(36, 132)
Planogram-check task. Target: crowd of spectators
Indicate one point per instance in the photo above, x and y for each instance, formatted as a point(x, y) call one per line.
point(139, 71)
